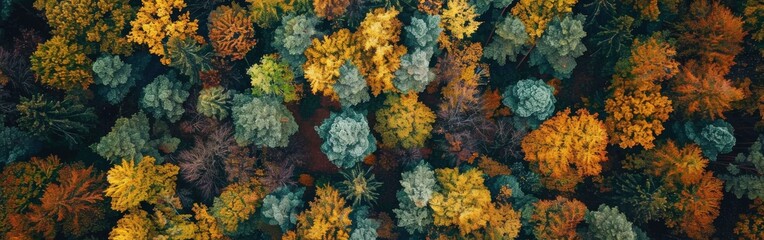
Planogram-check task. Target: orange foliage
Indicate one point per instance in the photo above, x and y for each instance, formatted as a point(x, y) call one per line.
point(685, 166)
point(711, 33)
point(557, 219)
point(492, 106)
point(431, 7)
point(751, 224)
point(21, 182)
point(703, 90)
point(564, 149)
point(492, 167)
point(460, 70)
point(330, 9)
point(231, 31)
point(699, 206)
point(651, 61)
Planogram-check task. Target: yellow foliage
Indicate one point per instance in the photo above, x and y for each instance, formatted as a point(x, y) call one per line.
point(459, 19)
point(325, 57)
point(463, 200)
point(267, 12)
point(231, 31)
point(326, 217)
point(461, 70)
point(557, 219)
point(61, 64)
point(503, 222)
point(637, 118)
point(237, 203)
point(404, 121)
point(207, 226)
point(649, 9)
point(130, 184)
point(378, 35)
point(535, 14)
point(154, 24)
point(133, 226)
point(564, 149)
point(96, 21)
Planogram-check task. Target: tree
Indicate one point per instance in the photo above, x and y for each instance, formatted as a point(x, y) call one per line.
point(750, 225)
point(404, 121)
point(164, 97)
point(530, 98)
point(754, 16)
point(208, 227)
point(558, 218)
point(613, 40)
point(608, 223)
point(347, 138)
point(134, 225)
point(266, 13)
point(15, 144)
point(649, 9)
point(273, 77)
point(128, 140)
point(359, 186)
point(202, 165)
point(237, 203)
point(642, 197)
point(503, 222)
point(510, 38)
point(410, 217)
point(459, 19)
point(557, 50)
point(154, 24)
point(364, 227)
point(747, 183)
point(419, 184)
point(131, 183)
point(463, 200)
point(293, 37)
point(189, 56)
point(565, 149)
point(327, 217)
point(712, 34)
point(281, 207)
point(351, 88)
point(214, 102)
point(714, 138)
point(378, 36)
point(423, 32)
point(685, 165)
point(61, 64)
point(414, 74)
point(22, 182)
point(703, 91)
point(535, 15)
point(698, 207)
point(231, 32)
point(51, 120)
point(330, 9)
point(113, 77)
point(325, 57)
point(99, 23)
point(261, 121)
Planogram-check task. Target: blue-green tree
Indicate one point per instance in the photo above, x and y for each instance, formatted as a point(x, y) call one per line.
point(293, 37)
point(15, 144)
point(713, 138)
point(347, 138)
point(423, 32)
point(113, 78)
point(363, 227)
point(164, 97)
point(509, 39)
point(608, 223)
point(530, 98)
point(745, 176)
point(263, 121)
point(282, 206)
point(417, 187)
point(351, 88)
point(414, 73)
point(558, 48)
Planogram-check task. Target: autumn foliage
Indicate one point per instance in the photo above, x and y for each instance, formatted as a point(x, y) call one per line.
point(558, 218)
point(156, 22)
point(231, 31)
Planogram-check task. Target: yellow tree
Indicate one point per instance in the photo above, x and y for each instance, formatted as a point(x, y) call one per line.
point(325, 57)
point(62, 64)
point(459, 19)
point(379, 36)
point(237, 203)
point(537, 14)
point(565, 149)
point(404, 121)
point(131, 183)
point(156, 22)
point(327, 217)
point(463, 201)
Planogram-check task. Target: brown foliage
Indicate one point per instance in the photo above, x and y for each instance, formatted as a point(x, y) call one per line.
point(711, 33)
point(702, 90)
point(231, 31)
point(557, 219)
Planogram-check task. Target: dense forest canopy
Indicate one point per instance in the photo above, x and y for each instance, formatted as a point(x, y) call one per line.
point(382, 119)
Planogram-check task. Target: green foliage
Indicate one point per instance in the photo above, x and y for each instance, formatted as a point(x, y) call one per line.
point(363, 227)
point(414, 73)
point(419, 184)
point(519, 198)
point(481, 6)
point(642, 197)
point(410, 217)
point(614, 40)
point(608, 223)
point(164, 97)
point(214, 102)
point(359, 186)
point(272, 77)
point(347, 138)
point(15, 144)
point(509, 39)
point(188, 56)
point(281, 207)
point(713, 138)
point(129, 139)
point(530, 182)
point(423, 32)
point(558, 48)
point(293, 37)
point(351, 88)
point(748, 183)
point(530, 98)
point(261, 121)
point(52, 120)
point(113, 77)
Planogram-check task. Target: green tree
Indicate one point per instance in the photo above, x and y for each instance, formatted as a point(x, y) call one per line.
point(263, 121)
point(164, 97)
point(558, 48)
point(414, 73)
point(293, 37)
point(351, 88)
point(530, 98)
point(50, 119)
point(745, 176)
point(281, 207)
point(189, 56)
point(214, 102)
point(347, 138)
point(714, 138)
point(509, 39)
point(113, 77)
point(273, 77)
point(608, 223)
